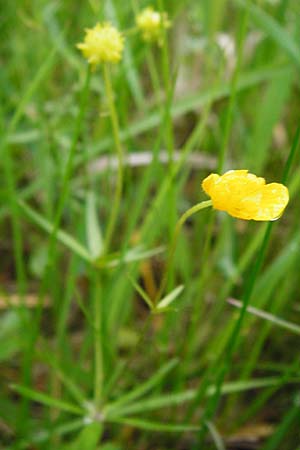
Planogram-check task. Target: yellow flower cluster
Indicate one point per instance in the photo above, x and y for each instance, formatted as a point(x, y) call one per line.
point(103, 43)
point(245, 196)
point(151, 23)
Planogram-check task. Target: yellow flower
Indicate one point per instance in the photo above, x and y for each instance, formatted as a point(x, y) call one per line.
point(151, 24)
point(245, 196)
point(103, 43)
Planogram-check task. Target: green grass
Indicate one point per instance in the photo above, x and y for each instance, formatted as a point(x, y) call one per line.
point(115, 335)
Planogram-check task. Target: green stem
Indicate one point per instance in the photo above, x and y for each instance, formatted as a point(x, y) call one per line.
point(234, 83)
point(179, 224)
point(153, 72)
point(98, 348)
point(116, 134)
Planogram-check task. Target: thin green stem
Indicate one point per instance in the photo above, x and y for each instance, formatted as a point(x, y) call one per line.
point(153, 71)
point(116, 134)
point(98, 347)
point(194, 209)
point(168, 84)
point(234, 82)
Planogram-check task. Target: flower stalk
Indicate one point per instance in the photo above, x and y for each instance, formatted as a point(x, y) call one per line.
point(120, 156)
point(185, 216)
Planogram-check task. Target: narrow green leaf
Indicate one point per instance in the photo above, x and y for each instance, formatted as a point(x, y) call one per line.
point(44, 435)
point(66, 379)
point(46, 400)
point(156, 426)
point(292, 327)
point(216, 437)
point(273, 29)
point(167, 400)
point(132, 255)
point(168, 299)
point(93, 230)
point(88, 438)
point(143, 388)
point(141, 291)
point(62, 236)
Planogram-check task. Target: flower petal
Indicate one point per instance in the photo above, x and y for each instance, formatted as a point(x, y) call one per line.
point(246, 196)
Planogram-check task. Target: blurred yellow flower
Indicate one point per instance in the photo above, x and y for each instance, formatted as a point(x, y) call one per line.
point(246, 196)
point(151, 24)
point(103, 43)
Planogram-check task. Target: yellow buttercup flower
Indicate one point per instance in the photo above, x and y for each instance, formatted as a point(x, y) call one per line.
point(103, 43)
point(151, 24)
point(246, 196)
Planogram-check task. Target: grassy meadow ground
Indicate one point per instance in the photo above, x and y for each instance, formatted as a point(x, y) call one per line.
point(89, 358)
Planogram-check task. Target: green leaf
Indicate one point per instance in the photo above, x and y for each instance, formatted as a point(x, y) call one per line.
point(273, 29)
point(215, 435)
point(93, 230)
point(143, 388)
point(10, 334)
point(156, 426)
point(141, 291)
point(153, 403)
point(43, 435)
point(167, 400)
point(168, 299)
point(292, 327)
point(62, 236)
point(132, 255)
point(46, 400)
point(88, 438)
point(66, 379)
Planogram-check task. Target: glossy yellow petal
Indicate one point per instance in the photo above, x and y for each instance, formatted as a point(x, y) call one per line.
point(246, 196)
